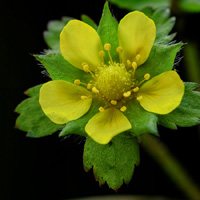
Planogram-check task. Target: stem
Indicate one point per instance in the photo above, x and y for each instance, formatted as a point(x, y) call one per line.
point(170, 165)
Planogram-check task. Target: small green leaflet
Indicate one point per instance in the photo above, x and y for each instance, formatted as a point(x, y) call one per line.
point(112, 163)
point(32, 119)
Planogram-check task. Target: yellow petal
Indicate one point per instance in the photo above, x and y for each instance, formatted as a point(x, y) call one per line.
point(105, 125)
point(61, 101)
point(162, 94)
point(80, 43)
point(136, 34)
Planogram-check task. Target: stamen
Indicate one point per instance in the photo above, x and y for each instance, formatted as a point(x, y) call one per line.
point(138, 56)
point(113, 102)
point(101, 109)
point(84, 97)
point(134, 65)
point(94, 89)
point(139, 98)
point(123, 108)
point(136, 89)
point(127, 94)
point(101, 53)
point(85, 68)
point(107, 47)
point(128, 63)
point(77, 82)
point(147, 76)
point(119, 49)
point(89, 86)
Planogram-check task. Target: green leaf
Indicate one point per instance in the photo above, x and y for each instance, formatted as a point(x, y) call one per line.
point(188, 112)
point(89, 21)
point(59, 69)
point(78, 126)
point(189, 5)
point(140, 4)
point(52, 35)
point(141, 120)
point(161, 59)
point(32, 119)
point(112, 163)
point(108, 32)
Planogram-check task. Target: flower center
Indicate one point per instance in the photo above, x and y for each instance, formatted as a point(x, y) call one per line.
point(113, 81)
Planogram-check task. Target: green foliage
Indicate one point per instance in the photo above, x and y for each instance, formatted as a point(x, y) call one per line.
point(59, 69)
point(52, 35)
point(188, 112)
point(189, 5)
point(32, 119)
point(140, 4)
point(161, 59)
point(141, 120)
point(108, 32)
point(112, 163)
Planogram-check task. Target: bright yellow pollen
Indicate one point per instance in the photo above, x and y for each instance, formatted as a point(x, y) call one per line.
point(101, 109)
point(107, 46)
point(101, 53)
point(136, 89)
point(147, 76)
point(89, 86)
point(138, 56)
point(84, 97)
point(127, 94)
point(134, 65)
point(85, 68)
point(119, 49)
point(113, 81)
point(77, 82)
point(123, 108)
point(113, 102)
point(94, 89)
point(128, 63)
point(139, 98)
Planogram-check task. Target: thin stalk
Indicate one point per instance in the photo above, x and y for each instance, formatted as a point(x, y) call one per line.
point(170, 165)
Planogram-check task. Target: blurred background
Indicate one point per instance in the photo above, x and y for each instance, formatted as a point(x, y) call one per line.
point(51, 167)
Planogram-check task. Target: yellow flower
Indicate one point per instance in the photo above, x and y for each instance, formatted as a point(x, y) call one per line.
point(112, 83)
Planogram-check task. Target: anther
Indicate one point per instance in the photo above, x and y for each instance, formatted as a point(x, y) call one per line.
point(138, 56)
point(101, 53)
point(123, 108)
point(147, 76)
point(77, 82)
point(89, 86)
point(85, 68)
point(94, 89)
point(113, 102)
point(107, 46)
point(136, 89)
point(134, 65)
point(128, 63)
point(84, 97)
point(101, 109)
point(119, 49)
point(139, 98)
point(127, 94)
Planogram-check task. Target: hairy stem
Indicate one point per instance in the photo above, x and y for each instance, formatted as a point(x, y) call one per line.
point(170, 165)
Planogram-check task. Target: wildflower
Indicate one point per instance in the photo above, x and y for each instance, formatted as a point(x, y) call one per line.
point(114, 82)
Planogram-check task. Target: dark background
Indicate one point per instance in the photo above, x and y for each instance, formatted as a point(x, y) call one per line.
point(51, 167)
